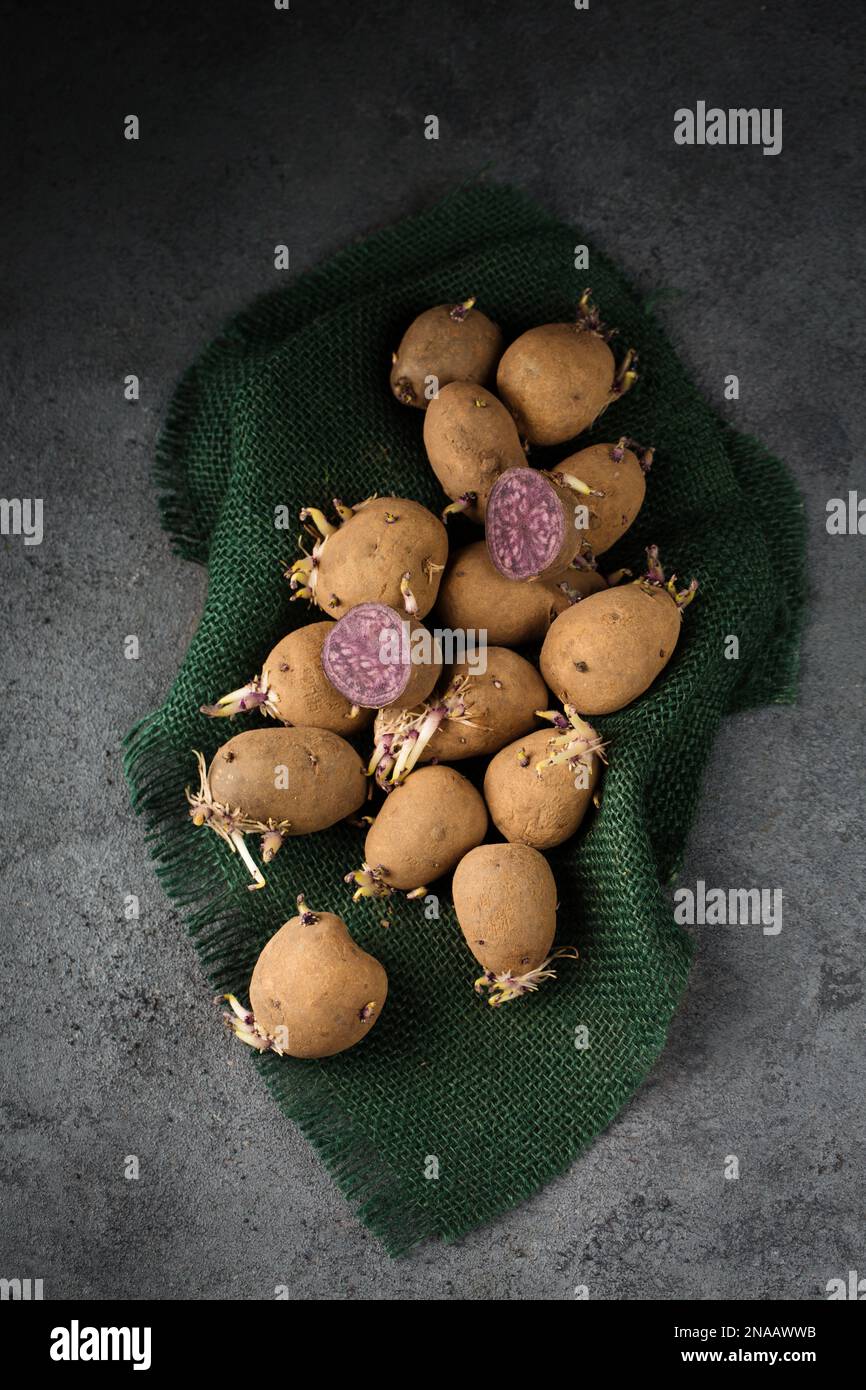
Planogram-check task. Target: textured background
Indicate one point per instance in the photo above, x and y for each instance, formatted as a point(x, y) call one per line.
point(306, 127)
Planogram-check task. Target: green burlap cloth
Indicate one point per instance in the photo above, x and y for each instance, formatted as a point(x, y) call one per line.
point(451, 1111)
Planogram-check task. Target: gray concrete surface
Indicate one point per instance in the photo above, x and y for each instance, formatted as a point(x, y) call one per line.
point(306, 127)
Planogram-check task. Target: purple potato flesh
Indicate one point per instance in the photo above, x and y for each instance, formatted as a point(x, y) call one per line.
point(525, 524)
point(358, 656)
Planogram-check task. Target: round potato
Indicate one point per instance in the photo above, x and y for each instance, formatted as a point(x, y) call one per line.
point(557, 379)
point(390, 551)
point(606, 650)
point(377, 658)
point(314, 992)
point(452, 342)
point(475, 595)
point(505, 901)
point(531, 525)
point(425, 826)
point(499, 705)
point(535, 801)
point(470, 440)
point(617, 480)
point(294, 689)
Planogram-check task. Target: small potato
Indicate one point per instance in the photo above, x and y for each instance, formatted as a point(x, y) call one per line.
point(475, 715)
point(314, 992)
point(453, 342)
point(615, 475)
point(557, 378)
point(470, 440)
point(605, 651)
point(534, 800)
point(475, 595)
point(498, 706)
point(531, 525)
point(277, 783)
point(425, 826)
point(377, 658)
point(389, 550)
point(505, 901)
point(294, 689)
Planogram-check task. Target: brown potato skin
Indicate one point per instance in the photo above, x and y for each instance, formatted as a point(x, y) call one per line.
point(474, 594)
point(470, 439)
point(506, 710)
point(531, 808)
point(425, 826)
point(556, 379)
point(505, 901)
point(365, 559)
point(319, 793)
point(625, 637)
point(572, 541)
point(623, 485)
point(305, 696)
point(312, 981)
point(434, 344)
point(584, 582)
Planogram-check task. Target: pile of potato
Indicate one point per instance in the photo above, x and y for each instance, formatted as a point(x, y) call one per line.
point(370, 667)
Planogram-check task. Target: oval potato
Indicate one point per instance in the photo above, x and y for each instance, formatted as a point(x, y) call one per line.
point(474, 594)
point(500, 705)
point(470, 440)
point(623, 487)
point(505, 901)
point(603, 652)
point(447, 345)
point(300, 690)
point(425, 826)
point(556, 379)
point(365, 559)
point(310, 778)
point(538, 808)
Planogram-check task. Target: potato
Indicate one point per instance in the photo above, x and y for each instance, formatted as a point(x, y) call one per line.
point(388, 550)
point(505, 901)
point(531, 525)
point(475, 595)
point(535, 801)
point(294, 689)
point(470, 440)
point(425, 826)
point(376, 658)
point(475, 714)
point(616, 476)
point(453, 342)
point(605, 651)
point(279, 783)
point(558, 378)
point(580, 583)
point(500, 704)
point(313, 993)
